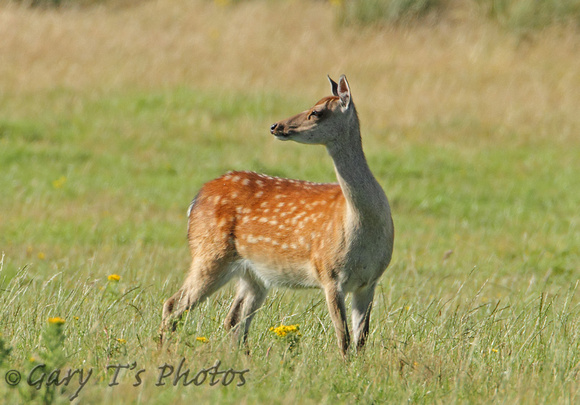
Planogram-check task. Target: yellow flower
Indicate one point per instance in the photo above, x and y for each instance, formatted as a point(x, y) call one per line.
point(494, 350)
point(283, 330)
point(41, 256)
point(57, 320)
point(114, 277)
point(202, 339)
point(58, 183)
point(122, 341)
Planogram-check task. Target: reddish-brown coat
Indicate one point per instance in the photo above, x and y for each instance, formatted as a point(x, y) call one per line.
point(265, 219)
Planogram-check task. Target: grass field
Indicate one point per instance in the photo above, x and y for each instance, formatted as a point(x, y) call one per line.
point(112, 116)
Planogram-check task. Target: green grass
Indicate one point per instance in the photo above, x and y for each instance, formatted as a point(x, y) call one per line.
point(531, 14)
point(517, 15)
point(384, 12)
point(479, 305)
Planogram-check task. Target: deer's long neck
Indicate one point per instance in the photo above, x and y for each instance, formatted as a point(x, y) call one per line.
point(365, 198)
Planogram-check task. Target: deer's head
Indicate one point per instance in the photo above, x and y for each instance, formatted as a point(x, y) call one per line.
point(320, 124)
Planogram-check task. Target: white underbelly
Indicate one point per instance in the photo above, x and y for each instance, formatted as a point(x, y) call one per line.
point(296, 275)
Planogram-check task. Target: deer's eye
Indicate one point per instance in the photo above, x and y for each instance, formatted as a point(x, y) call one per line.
point(314, 113)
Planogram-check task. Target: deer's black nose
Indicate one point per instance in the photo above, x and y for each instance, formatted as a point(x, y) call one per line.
point(273, 128)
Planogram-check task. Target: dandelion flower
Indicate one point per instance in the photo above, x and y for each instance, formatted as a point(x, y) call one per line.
point(122, 341)
point(202, 339)
point(114, 277)
point(57, 320)
point(41, 256)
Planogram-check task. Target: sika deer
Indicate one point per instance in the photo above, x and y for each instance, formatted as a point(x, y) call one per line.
point(268, 232)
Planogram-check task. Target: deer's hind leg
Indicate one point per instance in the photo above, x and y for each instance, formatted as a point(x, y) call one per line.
point(206, 276)
point(249, 298)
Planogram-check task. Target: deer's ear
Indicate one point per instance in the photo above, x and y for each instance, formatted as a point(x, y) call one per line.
point(333, 85)
point(343, 92)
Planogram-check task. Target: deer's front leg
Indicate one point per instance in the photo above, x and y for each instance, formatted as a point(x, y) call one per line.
point(362, 303)
point(336, 307)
